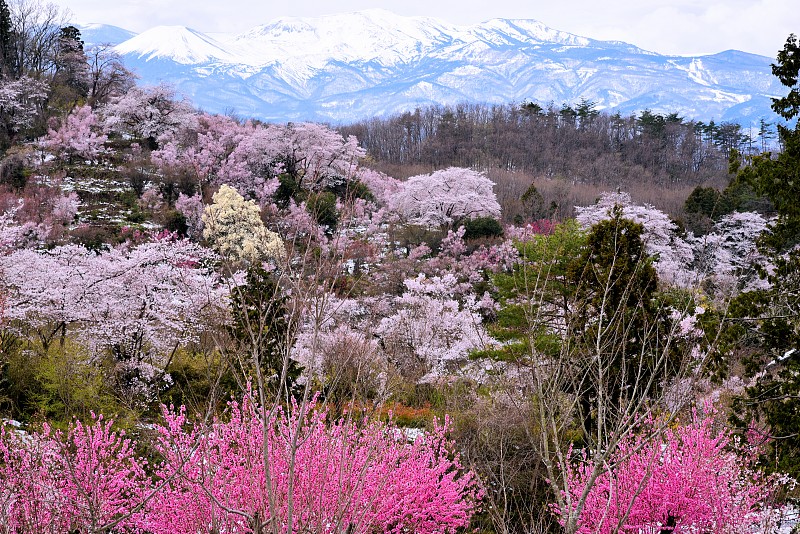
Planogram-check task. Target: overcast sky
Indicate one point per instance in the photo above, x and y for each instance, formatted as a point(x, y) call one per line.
point(664, 26)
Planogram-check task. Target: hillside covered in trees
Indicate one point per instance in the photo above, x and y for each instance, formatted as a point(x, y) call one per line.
point(572, 153)
point(210, 324)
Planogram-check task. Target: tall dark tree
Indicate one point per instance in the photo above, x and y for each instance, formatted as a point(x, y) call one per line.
point(767, 322)
point(71, 77)
point(7, 56)
point(613, 317)
point(261, 332)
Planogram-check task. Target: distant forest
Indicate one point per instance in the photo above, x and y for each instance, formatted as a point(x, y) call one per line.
point(571, 153)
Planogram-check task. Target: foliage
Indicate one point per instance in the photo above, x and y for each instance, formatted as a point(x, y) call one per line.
point(765, 323)
point(259, 326)
point(614, 312)
point(322, 206)
point(482, 227)
point(534, 296)
point(765, 327)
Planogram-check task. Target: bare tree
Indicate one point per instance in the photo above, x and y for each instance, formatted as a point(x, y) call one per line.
point(36, 27)
point(108, 76)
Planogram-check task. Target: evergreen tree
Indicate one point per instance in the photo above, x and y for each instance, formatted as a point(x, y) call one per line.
point(767, 322)
point(613, 317)
point(71, 79)
point(6, 41)
point(261, 331)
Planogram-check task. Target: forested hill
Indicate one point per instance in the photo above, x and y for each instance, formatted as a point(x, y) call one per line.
point(577, 150)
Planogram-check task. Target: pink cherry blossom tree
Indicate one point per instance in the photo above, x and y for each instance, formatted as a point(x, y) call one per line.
point(151, 113)
point(728, 255)
point(319, 156)
point(140, 302)
point(192, 210)
point(440, 198)
point(78, 136)
point(431, 331)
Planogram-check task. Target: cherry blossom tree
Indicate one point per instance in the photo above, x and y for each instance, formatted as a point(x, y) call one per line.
point(690, 478)
point(728, 255)
point(318, 156)
point(431, 330)
point(20, 103)
point(381, 185)
point(148, 113)
point(138, 302)
point(337, 344)
point(440, 198)
point(78, 136)
point(108, 76)
point(219, 151)
point(673, 255)
point(205, 151)
point(192, 210)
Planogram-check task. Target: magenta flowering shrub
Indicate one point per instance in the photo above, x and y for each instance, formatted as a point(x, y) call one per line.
point(290, 470)
point(691, 478)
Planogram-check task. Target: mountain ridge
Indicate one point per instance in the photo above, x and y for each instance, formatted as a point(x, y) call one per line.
point(346, 67)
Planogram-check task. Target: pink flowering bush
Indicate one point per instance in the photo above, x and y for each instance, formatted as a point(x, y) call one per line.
point(291, 470)
point(693, 478)
point(319, 477)
point(87, 479)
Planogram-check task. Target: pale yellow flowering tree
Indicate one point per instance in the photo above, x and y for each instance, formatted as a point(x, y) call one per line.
point(234, 228)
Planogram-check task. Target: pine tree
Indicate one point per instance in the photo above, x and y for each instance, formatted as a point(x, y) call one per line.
point(767, 322)
point(261, 331)
point(6, 41)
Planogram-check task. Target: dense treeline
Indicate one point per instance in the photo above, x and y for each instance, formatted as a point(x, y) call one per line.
point(581, 144)
point(571, 153)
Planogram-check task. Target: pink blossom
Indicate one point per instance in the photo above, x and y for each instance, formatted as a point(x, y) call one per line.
point(439, 198)
point(692, 478)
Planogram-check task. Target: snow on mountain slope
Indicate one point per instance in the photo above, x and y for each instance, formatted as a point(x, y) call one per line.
point(96, 34)
point(176, 43)
point(371, 35)
point(350, 66)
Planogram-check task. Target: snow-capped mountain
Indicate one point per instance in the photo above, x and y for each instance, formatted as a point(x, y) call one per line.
point(346, 67)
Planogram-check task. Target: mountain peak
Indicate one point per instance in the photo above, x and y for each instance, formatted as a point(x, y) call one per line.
point(177, 43)
point(349, 66)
